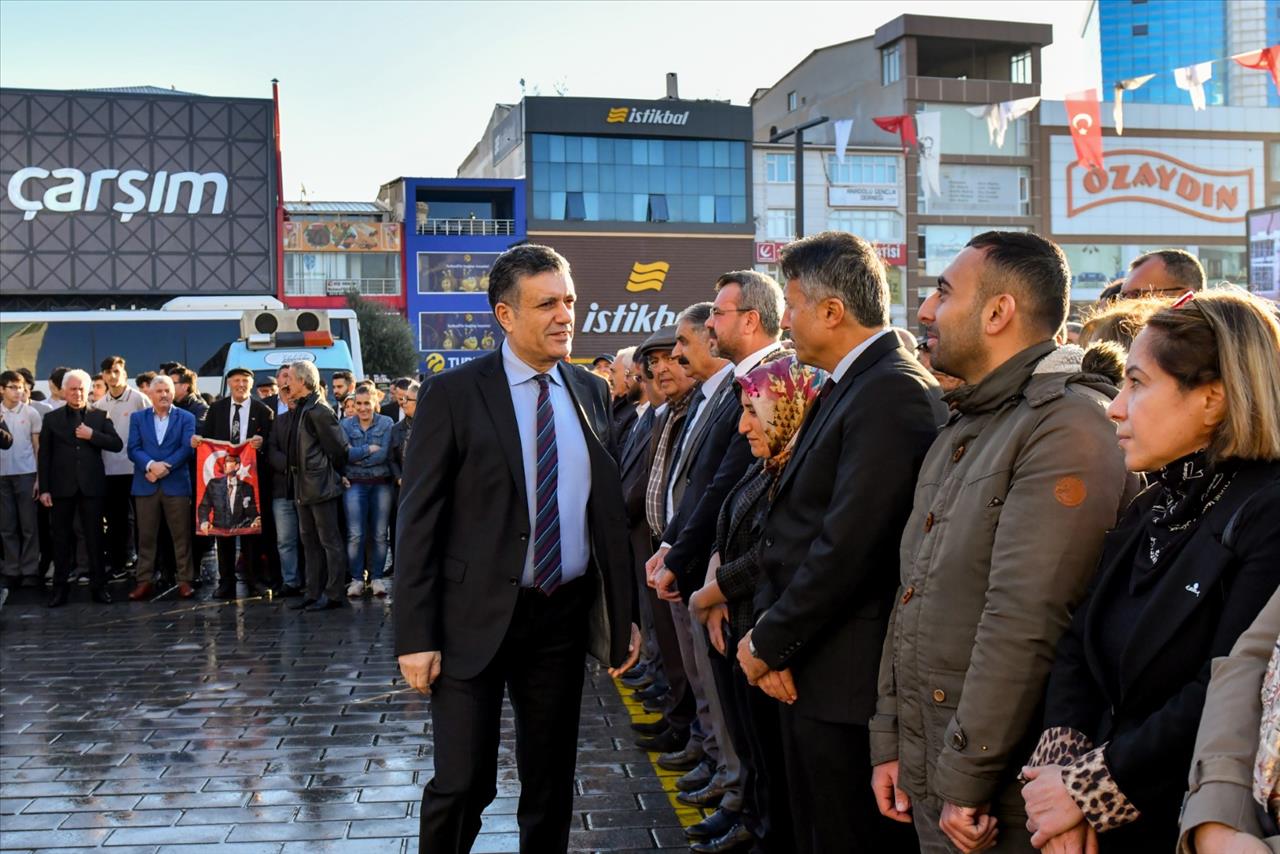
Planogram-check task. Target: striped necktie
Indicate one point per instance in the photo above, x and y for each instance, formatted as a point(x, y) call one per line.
point(547, 567)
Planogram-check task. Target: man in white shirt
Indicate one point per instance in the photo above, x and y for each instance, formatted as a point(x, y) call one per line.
point(18, 485)
point(120, 402)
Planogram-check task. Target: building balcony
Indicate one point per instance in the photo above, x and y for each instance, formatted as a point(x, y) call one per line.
point(319, 287)
point(468, 227)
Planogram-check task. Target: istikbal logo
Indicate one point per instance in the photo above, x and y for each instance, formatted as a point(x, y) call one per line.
point(634, 317)
point(651, 116)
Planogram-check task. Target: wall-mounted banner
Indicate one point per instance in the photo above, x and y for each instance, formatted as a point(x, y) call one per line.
point(320, 236)
point(227, 501)
point(454, 272)
point(471, 331)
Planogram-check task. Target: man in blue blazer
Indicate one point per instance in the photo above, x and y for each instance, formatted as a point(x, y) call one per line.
point(160, 447)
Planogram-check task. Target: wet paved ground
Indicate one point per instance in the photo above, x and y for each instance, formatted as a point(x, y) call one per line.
point(247, 727)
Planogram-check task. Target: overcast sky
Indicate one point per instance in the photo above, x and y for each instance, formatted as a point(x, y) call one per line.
point(371, 91)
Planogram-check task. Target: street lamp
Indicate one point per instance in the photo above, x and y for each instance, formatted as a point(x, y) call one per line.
point(798, 132)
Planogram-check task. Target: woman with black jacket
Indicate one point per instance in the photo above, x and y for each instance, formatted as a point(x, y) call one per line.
point(1195, 558)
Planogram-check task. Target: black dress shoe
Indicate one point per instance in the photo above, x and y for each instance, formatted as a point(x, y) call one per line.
point(639, 670)
point(224, 593)
point(713, 826)
point(302, 604)
point(655, 707)
point(737, 839)
point(59, 596)
point(709, 795)
point(682, 760)
point(101, 596)
point(288, 592)
point(664, 742)
point(652, 692)
point(637, 683)
point(699, 777)
point(324, 603)
point(651, 727)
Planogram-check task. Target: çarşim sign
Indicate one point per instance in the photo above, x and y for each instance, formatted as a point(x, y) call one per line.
point(1150, 177)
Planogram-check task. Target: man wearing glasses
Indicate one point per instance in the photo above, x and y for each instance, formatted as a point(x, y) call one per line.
point(1163, 273)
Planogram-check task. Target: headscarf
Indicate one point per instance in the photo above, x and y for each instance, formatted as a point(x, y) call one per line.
point(781, 390)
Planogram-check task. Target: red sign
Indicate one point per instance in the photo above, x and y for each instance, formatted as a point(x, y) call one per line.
point(892, 254)
point(1138, 175)
point(1085, 118)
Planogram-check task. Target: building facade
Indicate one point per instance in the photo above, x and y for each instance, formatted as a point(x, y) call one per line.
point(453, 230)
point(1138, 37)
point(332, 249)
point(650, 201)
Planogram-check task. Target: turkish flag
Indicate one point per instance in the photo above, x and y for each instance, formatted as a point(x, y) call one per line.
point(1084, 115)
point(904, 126)
point(1267, 59)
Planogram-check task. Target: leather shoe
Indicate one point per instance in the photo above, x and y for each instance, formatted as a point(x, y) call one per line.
point(324, 603)
point(664, 742)
point(709, 795)
point(651, 727)
point(656, 707)
point(101, 595)
point(638, 682)
point(682, 760)
point(142, 591)
point(302, 604)
point(185, 590)
point(224, 593)
point(289, 592)
point(699, 777)
point(652, 692)
point(59, 596)
point(736, 839)
point(713, 826)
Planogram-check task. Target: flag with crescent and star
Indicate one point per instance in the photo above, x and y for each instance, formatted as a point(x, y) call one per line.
point(1084, 114)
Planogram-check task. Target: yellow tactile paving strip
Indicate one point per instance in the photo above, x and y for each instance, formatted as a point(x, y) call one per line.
point(687, 815)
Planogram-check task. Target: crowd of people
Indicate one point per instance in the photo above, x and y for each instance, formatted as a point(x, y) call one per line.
point(959, 596)
point(114, 473)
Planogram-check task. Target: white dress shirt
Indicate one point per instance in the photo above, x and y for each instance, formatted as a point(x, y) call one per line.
point(573, 485)
point(843, 367)
point(753, 361)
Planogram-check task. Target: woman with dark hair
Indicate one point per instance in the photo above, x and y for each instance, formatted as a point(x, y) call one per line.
point(775, 396)
point(1195, 558)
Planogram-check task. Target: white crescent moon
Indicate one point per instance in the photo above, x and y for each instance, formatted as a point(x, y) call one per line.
point(1078, 118)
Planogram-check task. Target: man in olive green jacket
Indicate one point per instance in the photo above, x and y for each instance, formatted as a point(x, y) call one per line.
point(1004, 536)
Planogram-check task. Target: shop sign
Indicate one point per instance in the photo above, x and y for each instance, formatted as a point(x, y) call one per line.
point(327, 236)
point(1159, 187)
point(863, 196)
point(892, 254)
point(631, 115)
point(1264, 252)
point(79, 192)
point(767, 251)
point(449, 338)
point(454, 272)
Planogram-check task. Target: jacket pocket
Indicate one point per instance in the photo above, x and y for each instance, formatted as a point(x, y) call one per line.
point(454, 569)
point(940, 698)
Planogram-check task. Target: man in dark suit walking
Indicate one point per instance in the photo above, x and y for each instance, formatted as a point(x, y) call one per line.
point(830, 549)
point(513, 560)
point(238, 418)
point(73, 482)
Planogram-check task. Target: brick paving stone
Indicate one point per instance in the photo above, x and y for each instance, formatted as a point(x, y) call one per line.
point(246, 728)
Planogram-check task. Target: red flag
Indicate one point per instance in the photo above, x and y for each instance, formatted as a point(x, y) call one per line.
point(904, 126)
point(1267, 59)
point(1085, 118)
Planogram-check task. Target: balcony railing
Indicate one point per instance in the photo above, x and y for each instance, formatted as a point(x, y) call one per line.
point(316, 287)
point(466, 227)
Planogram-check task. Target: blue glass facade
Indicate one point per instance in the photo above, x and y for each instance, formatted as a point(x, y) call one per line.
point(1156, 36)
point(616, 179)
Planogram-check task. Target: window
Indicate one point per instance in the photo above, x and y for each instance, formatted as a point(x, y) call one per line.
point(575, 207)
point(1139, 29)
point(780, 224)
point(862, 169)
point(1020, 67)
point(780, 168)
point(877, 226)
point(792, 102)
point(890, 64)
point(657, 208)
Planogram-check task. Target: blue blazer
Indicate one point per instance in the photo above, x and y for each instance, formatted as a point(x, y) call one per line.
point(175, 450)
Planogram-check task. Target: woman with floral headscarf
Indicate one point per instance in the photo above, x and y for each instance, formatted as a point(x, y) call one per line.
point(775, 397)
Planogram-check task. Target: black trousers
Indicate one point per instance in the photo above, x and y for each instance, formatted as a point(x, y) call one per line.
point(249, 549)
point(766, 795)
point(828, 768)
point(62, 519)
point(118, 510)
point(540, 663)
point(726, 673)
point(325, 543)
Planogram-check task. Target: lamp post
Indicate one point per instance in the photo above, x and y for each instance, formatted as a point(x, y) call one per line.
point(798, 133)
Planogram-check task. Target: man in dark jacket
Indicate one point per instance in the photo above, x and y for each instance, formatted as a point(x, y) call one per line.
point(830, 541)
point(317, 456)
point(73, 482)
point(284, 512)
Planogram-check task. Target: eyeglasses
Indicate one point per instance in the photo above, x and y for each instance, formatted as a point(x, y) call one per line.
point(721, 312)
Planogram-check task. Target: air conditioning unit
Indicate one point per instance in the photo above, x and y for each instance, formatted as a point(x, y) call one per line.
point(283, 320)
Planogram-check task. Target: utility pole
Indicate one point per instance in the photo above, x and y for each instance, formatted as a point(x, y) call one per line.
point(798, 132)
